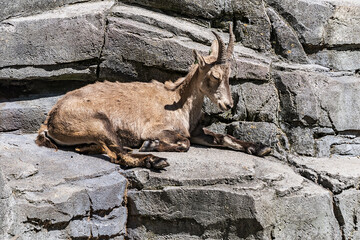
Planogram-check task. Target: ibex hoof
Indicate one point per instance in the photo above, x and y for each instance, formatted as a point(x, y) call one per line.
point(149, 146)
point(156, 162)
point(259, 149)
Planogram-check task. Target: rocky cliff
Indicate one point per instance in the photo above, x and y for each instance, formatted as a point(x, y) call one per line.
point(295, 81)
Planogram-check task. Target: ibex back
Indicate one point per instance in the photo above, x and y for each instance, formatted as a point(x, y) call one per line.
point(108, 117)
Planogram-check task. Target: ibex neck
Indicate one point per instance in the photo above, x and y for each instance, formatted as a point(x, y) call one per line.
point(192, 98)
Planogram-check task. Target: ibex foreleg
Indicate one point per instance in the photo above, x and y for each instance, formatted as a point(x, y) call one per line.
point(206, 137)
point(166, 141)
point(120, 156)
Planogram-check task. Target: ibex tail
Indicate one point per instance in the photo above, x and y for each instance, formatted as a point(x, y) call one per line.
point(43, 140)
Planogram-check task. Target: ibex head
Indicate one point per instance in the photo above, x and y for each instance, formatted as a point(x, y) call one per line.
point(216, 68)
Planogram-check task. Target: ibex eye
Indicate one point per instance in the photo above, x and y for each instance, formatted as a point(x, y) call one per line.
point(216, 75)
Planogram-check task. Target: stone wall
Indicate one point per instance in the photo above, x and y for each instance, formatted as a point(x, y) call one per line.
point(293, 71)
point(295, 78)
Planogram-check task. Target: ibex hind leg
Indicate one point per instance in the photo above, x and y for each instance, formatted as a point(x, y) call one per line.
point(110, 143)
point(92, 149)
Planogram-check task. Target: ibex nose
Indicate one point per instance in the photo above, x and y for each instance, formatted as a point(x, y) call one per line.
point(228, 106)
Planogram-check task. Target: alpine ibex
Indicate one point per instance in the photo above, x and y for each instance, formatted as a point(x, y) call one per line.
point(108, 117)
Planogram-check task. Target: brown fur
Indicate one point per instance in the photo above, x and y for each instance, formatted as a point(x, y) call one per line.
point(162, 117)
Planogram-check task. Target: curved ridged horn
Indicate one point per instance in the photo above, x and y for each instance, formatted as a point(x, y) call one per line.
point(222, 49)
point(230, 48)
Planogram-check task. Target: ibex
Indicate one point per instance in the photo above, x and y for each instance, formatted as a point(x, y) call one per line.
point(110, 117)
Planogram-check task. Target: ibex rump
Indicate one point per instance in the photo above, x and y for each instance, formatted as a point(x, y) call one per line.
point(111, 116)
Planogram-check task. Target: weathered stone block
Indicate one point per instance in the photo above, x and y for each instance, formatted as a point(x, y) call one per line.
point(348, 210)
point(261, 198)
point(337, 145)
point(74, 33)
point(253, 27)
point(308, 18)
point(18, 8)
point(344, 25)
point(336, 173)
point(261, 101)
point(250, 69)
point(174, 25)
point(341, 100)
point(286, 42)
point(24, 116)
point(57, 199)
point(263, 132)
point(302, 140)
point(205, 9)
point(129, 55)
point(299, 94)
point(341, 60)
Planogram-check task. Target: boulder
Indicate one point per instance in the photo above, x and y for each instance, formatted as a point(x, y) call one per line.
point(24, 115)
point(341, 101)
point(249, 198)
point(261, 101)
point(252, 25)
point(344, 25)
point(348, 209)
point(308, 18)
point(286, 42)
point(299, 94)
point(58, 194)
point(18, 8)
point(326, 171)
point(34, 44)
point(339, 60)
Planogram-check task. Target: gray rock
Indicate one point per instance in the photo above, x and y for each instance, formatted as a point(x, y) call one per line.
point(347, 149)
point(53, 37)
point(308, 18)
point(19, 8)
point(247, 68)
point(340, 99)
point(176, 26)
point(326, 171)
point(340, 60)
point(60, 72)
point(54, 198)
point(348, 208)
point(263, 132)
point(24, 115)
point(253, 27)
point(261, 101)
point(300, 98)
point(190, 201)
point(283, 66)
point(286, 41)
point(337, 145)
point(302, 140)
point(129, 55)
point(205, 9)
point(344, 25)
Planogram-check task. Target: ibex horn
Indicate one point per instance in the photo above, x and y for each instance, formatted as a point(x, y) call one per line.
point(222, 49)
point(230, 48)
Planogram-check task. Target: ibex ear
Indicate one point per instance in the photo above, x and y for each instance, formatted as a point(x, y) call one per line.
point(199, 59)
point(203, 62)
point(214, 48)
